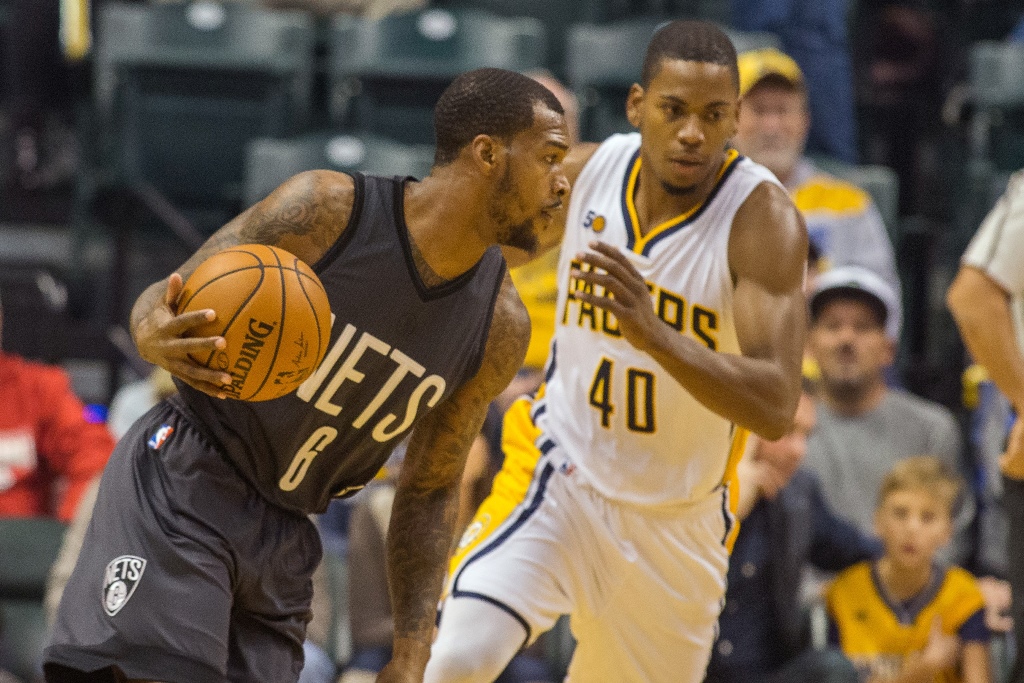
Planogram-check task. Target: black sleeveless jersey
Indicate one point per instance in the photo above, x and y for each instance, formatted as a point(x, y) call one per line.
point(397, 350)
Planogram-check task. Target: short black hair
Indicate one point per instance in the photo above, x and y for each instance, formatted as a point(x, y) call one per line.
point(488, 101)
point(692, 41)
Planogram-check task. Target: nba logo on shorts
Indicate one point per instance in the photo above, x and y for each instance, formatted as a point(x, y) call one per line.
point(120, 580)
point(161, 435)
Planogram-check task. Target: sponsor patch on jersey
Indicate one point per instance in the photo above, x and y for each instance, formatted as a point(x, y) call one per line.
point(120, 580)
point(567, 468)
point(160, 437)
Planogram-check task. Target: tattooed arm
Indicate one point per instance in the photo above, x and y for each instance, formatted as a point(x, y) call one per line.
point(422, 520)
point(305, 216)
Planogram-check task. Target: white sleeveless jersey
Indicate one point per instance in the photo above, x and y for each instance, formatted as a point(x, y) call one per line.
point(631, 429)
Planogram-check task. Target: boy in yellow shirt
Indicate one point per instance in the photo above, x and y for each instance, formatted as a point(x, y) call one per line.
point(902, 618)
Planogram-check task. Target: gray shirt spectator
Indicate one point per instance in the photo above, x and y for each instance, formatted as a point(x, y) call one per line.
point(863, 425)
point(851, 454)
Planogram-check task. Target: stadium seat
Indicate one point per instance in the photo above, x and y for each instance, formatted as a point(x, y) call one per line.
point(269, 161)
point(881, 182)
point(604, 60)
point(387, 75)
point(997, 89)
point(28, 547)
point(180, 88)
point(555, 16)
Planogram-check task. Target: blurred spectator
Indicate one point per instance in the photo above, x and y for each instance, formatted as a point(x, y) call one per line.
point(843, 223)
point(906, 618)
point(369, 601)
point(49, 452)
point(815, 35)
point(905, 65)
point(134, 399)
point(987, 302)
point(864, 426)
point(40, 92)
point(763, 634)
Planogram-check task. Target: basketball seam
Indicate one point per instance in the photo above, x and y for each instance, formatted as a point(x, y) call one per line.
point(239, 309)
point(184, 304)
point(262, 274)
point(280, 326)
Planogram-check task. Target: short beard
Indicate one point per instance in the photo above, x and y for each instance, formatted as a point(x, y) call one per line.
point(522, 235)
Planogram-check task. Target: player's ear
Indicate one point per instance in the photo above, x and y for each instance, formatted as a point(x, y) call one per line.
point(634, 101)
point(486, 153)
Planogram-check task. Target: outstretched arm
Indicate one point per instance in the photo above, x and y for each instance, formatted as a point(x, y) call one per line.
point(421, 533)
point(305, 215)
point(759, 389)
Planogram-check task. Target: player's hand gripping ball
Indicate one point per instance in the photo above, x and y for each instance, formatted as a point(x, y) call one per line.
point(271, 310)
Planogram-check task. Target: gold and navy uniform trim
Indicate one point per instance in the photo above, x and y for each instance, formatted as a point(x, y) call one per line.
point(642, 244)
point(524, 516)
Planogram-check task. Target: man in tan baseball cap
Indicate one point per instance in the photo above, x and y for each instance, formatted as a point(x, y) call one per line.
point(843, 222)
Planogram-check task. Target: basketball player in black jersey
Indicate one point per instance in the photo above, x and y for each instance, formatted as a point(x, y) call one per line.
point(197, 563)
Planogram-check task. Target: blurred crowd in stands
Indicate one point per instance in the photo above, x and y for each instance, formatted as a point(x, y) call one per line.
point(868, 112)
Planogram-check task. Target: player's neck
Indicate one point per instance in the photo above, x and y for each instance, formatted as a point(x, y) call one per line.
point(655, 203)
point(903, 583)
point(443, 227)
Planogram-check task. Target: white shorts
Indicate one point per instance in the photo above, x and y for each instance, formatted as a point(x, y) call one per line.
point(644, 588)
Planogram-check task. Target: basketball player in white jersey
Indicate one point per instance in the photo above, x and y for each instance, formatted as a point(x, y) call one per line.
point(680, 328)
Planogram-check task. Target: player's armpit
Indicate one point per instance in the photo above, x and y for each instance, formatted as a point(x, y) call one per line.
point(551, 236)
point(421, 533)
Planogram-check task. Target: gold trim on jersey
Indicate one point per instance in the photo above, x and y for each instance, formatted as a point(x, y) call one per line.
point(732, 481)
point(635, 239)
point(511, 484)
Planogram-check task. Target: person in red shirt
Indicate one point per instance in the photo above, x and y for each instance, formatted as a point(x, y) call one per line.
point(49, 452)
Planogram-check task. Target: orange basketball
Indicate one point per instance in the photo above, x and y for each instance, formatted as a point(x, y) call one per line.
point(273, 313)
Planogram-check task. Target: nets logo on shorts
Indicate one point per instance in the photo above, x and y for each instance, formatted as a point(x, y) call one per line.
point(161, 435)
point(119, 582)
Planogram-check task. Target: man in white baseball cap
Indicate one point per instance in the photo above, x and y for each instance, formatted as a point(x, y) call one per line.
point(864, 426)
point(855, 282)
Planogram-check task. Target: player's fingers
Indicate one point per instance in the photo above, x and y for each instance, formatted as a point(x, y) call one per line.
point(613, 306)
point(194, 346)
point(174, 285)
point(615, 268)
point(611, 284)
point(198, 377)
point(180, 324)
point(616, 255)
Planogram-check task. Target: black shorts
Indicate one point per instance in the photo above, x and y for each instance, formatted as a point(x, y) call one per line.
point(187, 574)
